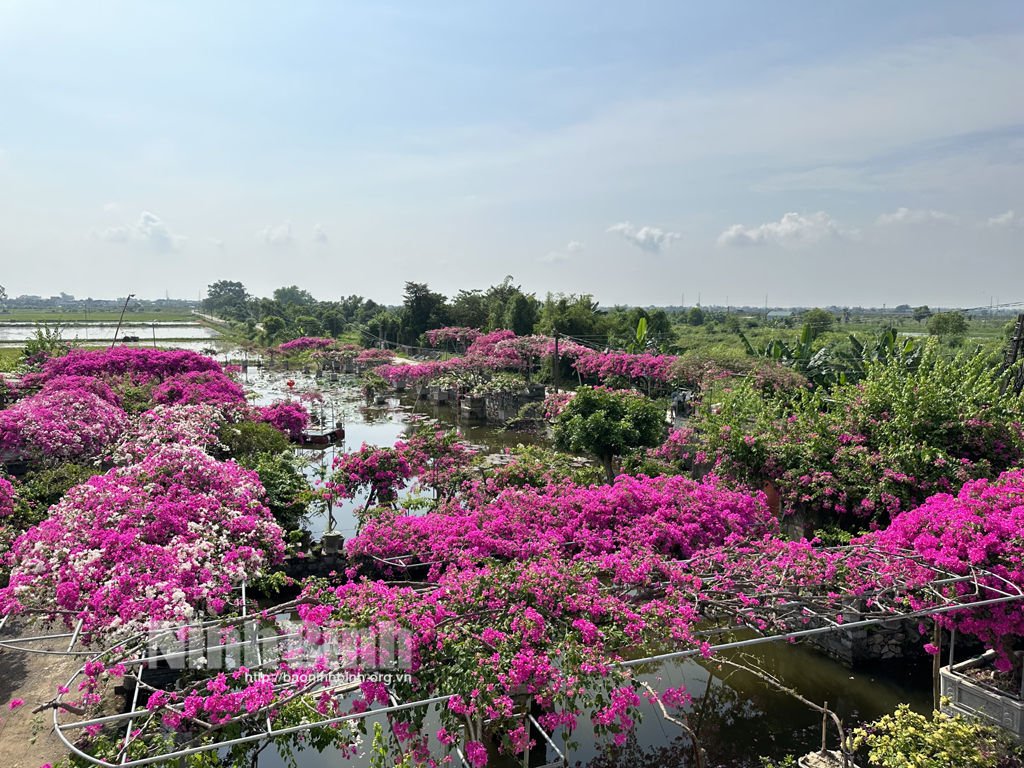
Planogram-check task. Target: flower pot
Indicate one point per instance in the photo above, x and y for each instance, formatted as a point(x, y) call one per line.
point(332, 542)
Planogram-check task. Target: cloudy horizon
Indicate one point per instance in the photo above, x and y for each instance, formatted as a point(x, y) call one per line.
point(853, 155)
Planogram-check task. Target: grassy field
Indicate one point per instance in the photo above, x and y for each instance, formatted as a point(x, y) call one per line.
point(104, 316)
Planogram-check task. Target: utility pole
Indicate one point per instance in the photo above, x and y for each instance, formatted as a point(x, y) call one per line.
point(118, 329)
point(556, 361)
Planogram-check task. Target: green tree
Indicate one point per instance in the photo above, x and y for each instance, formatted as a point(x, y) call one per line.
point(227, 299)
point(947, 324)
point(820, 320)
point(573, 315)
point(468, 309)
point(272, 326)
point(521, 314)
point(922, 313)
point(608, 424)
point(424, 310)
point(695, 316)
point(294, 295)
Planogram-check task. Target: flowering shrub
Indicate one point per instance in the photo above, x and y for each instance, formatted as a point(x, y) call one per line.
point(635, 520)
point(135, 363)
point(145, 544)
point(605, 365)
point(289, 417)
point(61, 425)
point(168, 425)
point(462, 336)
point(199, 387)
point(981, 526)
point(378, 471)
point(6, 498)
point(490, 634)
point(375, 356)
point(440, 459)
point(875, 448)
point(305, 344)
point(99, 387)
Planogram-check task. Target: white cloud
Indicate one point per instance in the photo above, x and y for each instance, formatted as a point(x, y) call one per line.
point(574, 246)
point(217, 243)
point(280, 235)
point(149, 229)
point(1008, 220)
point(792, 230)
point(648, 239)
point(554, 257)
point(907, 216)
point(318, 234)
point(111, 234)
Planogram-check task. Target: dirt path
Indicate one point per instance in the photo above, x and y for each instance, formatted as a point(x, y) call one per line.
point(33, 677)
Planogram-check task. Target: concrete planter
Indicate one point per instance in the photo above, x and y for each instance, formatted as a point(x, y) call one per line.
point(474, 407)
point(332, 543)
point(348, 368)
point(438, 395)
point(536, 392)
point(400, 386)
point(969, 698)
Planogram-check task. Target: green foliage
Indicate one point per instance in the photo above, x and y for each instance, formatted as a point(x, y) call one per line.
point(272, 326)
point(819, 320)
point(227, 299)
point(42, 488)
point(695, 316)
point(572, 315)
point(424, 310)
point(874, 448)
point(247, 440)
point(536, 467)
point(947, 324)
point(906, 739)
point(607, 423)
point(287, 489)
point(49, 339)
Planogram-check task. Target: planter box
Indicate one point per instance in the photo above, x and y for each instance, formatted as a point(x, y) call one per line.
point(438, 395)
point(400, 386)
point(348, 368)
point(969, 698)
point(474, 407)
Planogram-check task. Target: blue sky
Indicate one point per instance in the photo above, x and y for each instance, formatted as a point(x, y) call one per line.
point(853, 153)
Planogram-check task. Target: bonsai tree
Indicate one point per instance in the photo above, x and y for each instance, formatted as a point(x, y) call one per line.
point(608, 423)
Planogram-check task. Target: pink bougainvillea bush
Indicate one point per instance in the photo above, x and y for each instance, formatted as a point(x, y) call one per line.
point(636, 519)
point(61, 425)
point(139, 364)
point(98, 386)
point(146, 544)
point(375, 356)
point(286, 416)
point(6, 497)
point(982, 527)
point(305, 344)
point(183, 425)
point(199, 388)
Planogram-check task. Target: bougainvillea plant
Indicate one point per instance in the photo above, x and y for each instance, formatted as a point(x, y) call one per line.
point(61, 425)
point(150, 543)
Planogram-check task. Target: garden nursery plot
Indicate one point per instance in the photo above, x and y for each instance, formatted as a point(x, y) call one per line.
point(473, 568)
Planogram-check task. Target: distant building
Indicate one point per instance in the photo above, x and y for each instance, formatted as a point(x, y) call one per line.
point(778, 314)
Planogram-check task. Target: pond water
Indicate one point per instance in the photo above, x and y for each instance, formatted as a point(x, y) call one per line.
point(738, 717)
point(16, 334)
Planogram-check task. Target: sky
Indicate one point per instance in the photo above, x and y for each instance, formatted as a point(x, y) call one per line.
point(794, 153)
